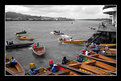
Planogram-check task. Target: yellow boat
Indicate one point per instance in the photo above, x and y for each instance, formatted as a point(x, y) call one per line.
point(103, 45)
point(74, 41)
point(24, 38)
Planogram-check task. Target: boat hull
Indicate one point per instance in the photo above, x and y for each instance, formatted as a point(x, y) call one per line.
point(20, 45)
point(74, 42)
point(39, 50)
point(25, 38)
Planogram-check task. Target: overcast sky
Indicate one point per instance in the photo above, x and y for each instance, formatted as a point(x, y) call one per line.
point(68, 11)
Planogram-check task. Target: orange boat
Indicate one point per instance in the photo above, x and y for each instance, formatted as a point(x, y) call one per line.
point(24, 38)
point(90, 67)
point(39, 50)
point(101, 58)
point(109, 45)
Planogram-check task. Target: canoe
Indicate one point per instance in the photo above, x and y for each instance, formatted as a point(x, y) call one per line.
point(17, 70)
point(23, 32)
point(101, 58)
point(88, 67)
point(63, 71)
point(25, 38)
point(18, 45)
point(57, 33)
point(109, 45)
point(38, 50)
point(73, 41)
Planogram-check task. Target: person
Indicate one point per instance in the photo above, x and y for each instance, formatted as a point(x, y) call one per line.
point(79, 58)
point(106, 47)
point(54, 69)
point(71, 39)
point(87, 44)
point(64, 61)
point(64, 39)
point(51, 63)
point(35, 46)
point(97, 49)
point(12, 62)
point(103, 51)
point(31, 71)
point(86, 53)
point(7, 42)
point(60, 39)
point(84, 50)
point(92, 45)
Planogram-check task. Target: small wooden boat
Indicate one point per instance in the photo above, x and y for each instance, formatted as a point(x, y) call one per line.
point(73, 41)
point(109, 45)
point(57, 33)
point(90, 67)
point(39, 50)
point(17, 70)
point(18, 45)
point(24, 38)
point(63, 71)
point(101, 58)
point(22, 32)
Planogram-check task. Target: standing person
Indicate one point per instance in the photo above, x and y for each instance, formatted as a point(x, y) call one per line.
point(35, 46)
point(51, 63)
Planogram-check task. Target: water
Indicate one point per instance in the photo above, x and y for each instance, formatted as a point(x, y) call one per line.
point(40, 30)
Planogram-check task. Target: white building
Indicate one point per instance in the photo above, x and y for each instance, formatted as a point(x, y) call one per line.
point(112, 11)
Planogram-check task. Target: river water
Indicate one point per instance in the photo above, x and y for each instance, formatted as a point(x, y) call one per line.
point(40, 30)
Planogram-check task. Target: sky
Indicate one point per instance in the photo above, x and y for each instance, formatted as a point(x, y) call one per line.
point(68, 11)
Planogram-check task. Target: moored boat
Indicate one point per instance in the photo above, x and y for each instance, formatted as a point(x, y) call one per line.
point(18, 45)
point(73, 41)
point(57, 33)
point(101, 58)
point(17, 70)
point(39, 50)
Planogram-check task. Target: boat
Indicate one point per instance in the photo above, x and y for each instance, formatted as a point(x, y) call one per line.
point(73, 41)
point(39, 50)
point(90, 67)
point(62, 71)
point(22, 32)
point(17, 70)
point(18, 45)
point(57, 33)
point(101, 58)
point(24, 38)
point(109, 45)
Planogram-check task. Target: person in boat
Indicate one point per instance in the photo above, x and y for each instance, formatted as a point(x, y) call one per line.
point(7, 42)
point(60, 39)
point(51, 63)
point(12, 62)
point(37, 44)
point(33, 71)
point(86, 53)
point(104, 51)
point(54, 68)
point(64, 39)
point(18, 35)
point(80, 58)
point(71, 39)
point(106, 47)
point(97, 49)
point(92, 45)
point(86, 44)
point(84, 50)
point(64, 61)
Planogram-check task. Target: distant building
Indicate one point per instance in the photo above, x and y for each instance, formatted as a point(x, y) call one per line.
point(112, 11)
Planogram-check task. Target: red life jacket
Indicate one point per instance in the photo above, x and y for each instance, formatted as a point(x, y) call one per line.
point(50, 62)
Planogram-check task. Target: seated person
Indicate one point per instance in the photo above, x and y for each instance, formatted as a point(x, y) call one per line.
point(54, 68)
point(64, 61)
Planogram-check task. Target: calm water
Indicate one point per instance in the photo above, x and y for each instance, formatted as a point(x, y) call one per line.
point(40, 30)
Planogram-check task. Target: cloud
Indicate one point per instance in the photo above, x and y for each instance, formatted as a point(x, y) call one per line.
point(70, 11)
